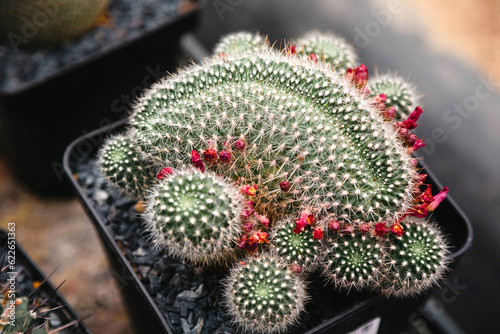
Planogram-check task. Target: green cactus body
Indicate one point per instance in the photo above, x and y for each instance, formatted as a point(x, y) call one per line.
point(398, 91)
point(298, 248)
point(414, 261)
point(352, 260)
point(195, 216)
point(301, 123)
point(53, 21)
point(121, 163)
point(24, 319)
point(239, 42)
point(328, 48)
point(263, 295)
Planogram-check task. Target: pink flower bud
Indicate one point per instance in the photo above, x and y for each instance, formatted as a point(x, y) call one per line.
point(164, 173)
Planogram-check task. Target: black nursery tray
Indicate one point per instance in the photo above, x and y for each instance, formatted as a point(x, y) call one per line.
point(152, 284)
point(27, 274)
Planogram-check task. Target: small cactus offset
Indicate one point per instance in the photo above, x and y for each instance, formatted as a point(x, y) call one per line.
point(195, 216)
point(353, 260)
point(238, 42)
point(397, 92)
point(414, 261)
point(263, 295)
point(297, 160)
point(327, 48)
point(121, 164)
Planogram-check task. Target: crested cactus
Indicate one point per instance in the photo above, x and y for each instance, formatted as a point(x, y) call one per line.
point(398, 93)
point(49, 21)
point(352, 260)
point(122, 165)
point(263, 295)
point(414, 261)
point(300, 123)
point(328, 48)
point(241, 41)
point(255, 139)
point(195, 216)
point(295, 248)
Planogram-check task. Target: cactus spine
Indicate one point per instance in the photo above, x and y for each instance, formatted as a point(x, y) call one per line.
point(238, 42)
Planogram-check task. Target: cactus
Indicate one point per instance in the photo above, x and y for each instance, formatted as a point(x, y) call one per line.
point(295, 248)
point(399, 93)
point(328, 48)
point(352, 260)
point(256, 138)
point(51, 21)
point(24, 318)
point(195, 216)
point(263, 295)
point(300, 123)
point(122, 165)
point(414, 261)
point(238, 42)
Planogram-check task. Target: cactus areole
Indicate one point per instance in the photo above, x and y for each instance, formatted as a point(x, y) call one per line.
point(302, 122)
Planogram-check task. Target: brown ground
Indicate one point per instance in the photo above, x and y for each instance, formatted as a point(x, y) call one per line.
point(58, 235)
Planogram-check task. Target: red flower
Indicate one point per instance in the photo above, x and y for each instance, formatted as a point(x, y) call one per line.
point(318, 233)
point(419, 143)
point(196, 160)
point(364, 228)
point(313, 57)
point(264, 220)
point(419, 211)
point(295, 268)
point(348, 229)
point(248, 226)
point(285, 186)
point(240, 145)
point(291, 50)
point(210, 155)
point(438, 199)
point(411, 122)
point(380, 229)
point(225, 156)
point(397, 229)
point(306, 218)
point(164, 173)
point(334, 225)
point(390, 113)
point(358, 76)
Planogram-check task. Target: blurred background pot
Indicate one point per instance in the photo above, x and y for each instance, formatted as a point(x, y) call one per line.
point(49, 21)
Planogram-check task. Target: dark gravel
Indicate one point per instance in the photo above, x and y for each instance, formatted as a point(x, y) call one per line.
point(188, 296)
point(130, 18)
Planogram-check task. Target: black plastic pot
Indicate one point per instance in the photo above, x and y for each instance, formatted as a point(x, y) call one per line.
point(354, 309)
point(43, 116)
point(31, 272)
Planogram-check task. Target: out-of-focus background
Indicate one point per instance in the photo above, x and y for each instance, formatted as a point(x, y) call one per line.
point(448, 48)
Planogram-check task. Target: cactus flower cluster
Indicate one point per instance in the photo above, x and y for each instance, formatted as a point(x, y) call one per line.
point(283, 163)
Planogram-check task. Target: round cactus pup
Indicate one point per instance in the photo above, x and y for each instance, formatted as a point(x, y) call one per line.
point(241, 41)
point(263, 295)
point(414, 261)
point(195, 216)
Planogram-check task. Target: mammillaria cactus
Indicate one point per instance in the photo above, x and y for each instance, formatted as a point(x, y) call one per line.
point(328, 48)
point(353, 260)
point(122, 165)
point(239, 42)
point(263, 295)
point(295, 248)
point(195, 216)
point(415, 260)
point(398, 93)
point(255, 138)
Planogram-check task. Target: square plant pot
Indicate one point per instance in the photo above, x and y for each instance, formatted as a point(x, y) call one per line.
point(28, 275)
point(151, 282)
point(44, 114)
